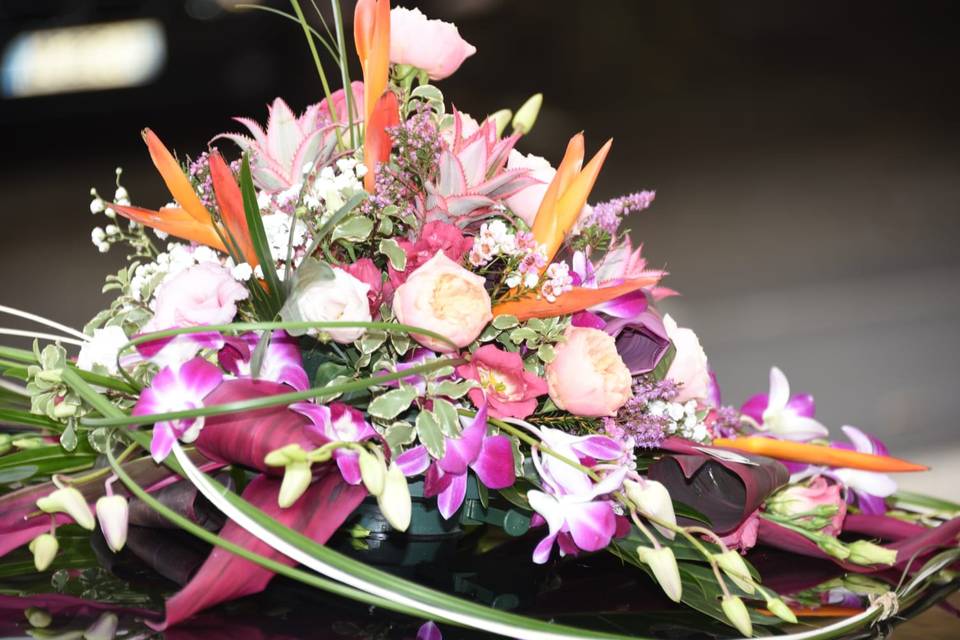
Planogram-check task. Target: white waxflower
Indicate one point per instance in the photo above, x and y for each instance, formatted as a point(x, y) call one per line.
point(242, 272)
point(97, 205)
point(102, 349)
point(675, 411)
point(205, 254)
point(112, 229)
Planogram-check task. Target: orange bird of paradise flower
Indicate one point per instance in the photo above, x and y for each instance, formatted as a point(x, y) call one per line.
point(565, 197)
point(371, 33)
point(191, 220)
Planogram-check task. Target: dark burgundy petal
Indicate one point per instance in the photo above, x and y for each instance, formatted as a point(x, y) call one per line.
point(641, 341)
point(225, 576)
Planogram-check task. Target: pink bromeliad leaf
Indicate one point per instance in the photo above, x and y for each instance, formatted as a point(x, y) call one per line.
point(224, 576)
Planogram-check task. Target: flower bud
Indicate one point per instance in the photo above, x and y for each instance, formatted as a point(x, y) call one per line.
point(866, 553)
point(737, 614)
point(373, 472)
point(502, 119)
point(736, 569)
point(296, 480)
point(105, 628)
point(394, 500)
point(778, 607)
point(27, 442)
point(44, 549)
point(113, 513)
point(38, 617)
point(526, 115)
point(64, 410)
point(652, 499)
point(285, 455)
point(6, 443)
point(833, 547)
point(664, 566)
point(71, 502)
point(53, 376)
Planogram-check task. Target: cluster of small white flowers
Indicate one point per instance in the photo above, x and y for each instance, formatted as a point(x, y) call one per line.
point(682, 419)
point(178, 257)
point(102, 238)
point(558, 281)
point(495, 239)
point(330, 189)
point(276, 226)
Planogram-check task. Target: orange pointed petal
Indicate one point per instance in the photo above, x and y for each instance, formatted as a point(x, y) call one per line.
point(363, 16)
point(571, 201)
point(577, 299)
point(376, 68)
point(545, 223)
point(230, 202)
point(178, 184)
point(175, 221)
point(377, 142)
point(818, 454)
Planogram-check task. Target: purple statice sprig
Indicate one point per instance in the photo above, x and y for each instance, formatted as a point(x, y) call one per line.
point(636, 421)
point(608, 215)
point(198, 170)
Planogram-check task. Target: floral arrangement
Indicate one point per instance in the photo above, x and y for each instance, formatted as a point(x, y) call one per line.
point(378, 301)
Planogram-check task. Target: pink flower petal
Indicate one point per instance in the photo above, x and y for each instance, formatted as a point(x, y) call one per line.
point(349, 464)
point(494, 464)
point(462, 451)
point(598, 447)
point(450, 499)
point(413, 462)
point(592, 524)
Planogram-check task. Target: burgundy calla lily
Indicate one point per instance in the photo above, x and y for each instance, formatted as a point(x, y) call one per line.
point(641, 340)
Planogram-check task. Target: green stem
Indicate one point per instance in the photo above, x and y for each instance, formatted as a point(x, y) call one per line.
point(316, 60)
point(344, 68)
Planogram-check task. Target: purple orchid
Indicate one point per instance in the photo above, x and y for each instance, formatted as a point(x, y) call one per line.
point(281, 363)
point(337, 422)
point(176, 388)
point(869, 488)
point(782, 415)
point(576, 519)
point(585, 275)
point(418, 357)
point(175, 350)
point(490, 457)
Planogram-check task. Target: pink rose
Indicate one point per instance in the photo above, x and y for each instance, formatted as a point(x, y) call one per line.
point(818, 505)
point(587, 377)
point(510, 390)
point(432, 45)
point(368, 273)
point(446, 298)
point(203, 294)
point(689, 366)
point(434, 236)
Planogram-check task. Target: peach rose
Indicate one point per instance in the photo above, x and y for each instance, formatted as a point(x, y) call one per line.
point(432, 45)
point(587, 377)
point(442, 296)
point(689, 366)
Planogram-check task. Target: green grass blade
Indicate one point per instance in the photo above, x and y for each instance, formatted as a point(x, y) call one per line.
point(259, 237)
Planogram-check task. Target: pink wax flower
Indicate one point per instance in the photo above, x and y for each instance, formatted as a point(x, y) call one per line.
point(205, 293)
point(368, 273)
point(689, 366)
point(510, 390)
point(445, 298)
point(588, 377)
point(432, 45)
point(434, 236)
point(177, 388)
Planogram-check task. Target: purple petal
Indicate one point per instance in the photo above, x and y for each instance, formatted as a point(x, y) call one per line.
point(320, 428)
point(864, 442)
point(803, 405)
point(413, 462)
point(162, 442)
point(199, 377)
point(871, 505)
point(629, 305)
point(598, 447)
point(429, 631)
point(541, 553)
point(347, 424)
point(450, 499)
point(435, 481)
point(283, 363)
point(461, 452)
point(641, 341)
point(755, 406)
point(591, 524)
point(588, 319)
point(494, 464)
point(349, 464)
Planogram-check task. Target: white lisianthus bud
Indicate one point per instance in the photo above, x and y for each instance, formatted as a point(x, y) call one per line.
point(864, 552)
point(737, 614)
point(317, 297)
point(502, 119)
point(38, 617)
point(105, 628)
point(71, 502)
point(44, 549)
point(736, 569)
point(296, 480)
point(778, 607)
point(652, 499)
point(527, 114)
point(113, 514)
point(394, 501)
point(373, 472)
point(664, 566)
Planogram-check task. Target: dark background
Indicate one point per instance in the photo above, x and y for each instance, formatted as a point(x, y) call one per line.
point(804, 155)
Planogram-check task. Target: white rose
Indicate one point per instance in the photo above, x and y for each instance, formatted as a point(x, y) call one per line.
point(341, 298)
point(102, 349)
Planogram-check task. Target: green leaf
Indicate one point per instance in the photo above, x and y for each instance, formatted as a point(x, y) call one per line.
point(428, 430)
point(546, 353)
point(427, 92)
point(523, 333)
point(451, 389)
point(399, 434)
point(259, 352)
point(334, 220)
point(16, 474)
point(371, 341)
point(389, 405)
point(517, 495)
point(353, 229)
point(68, 439)
point(505, 322)
point(447, 416)
point(660, 371)
point(98, 439)
point(259, 237)
point(395, 253)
